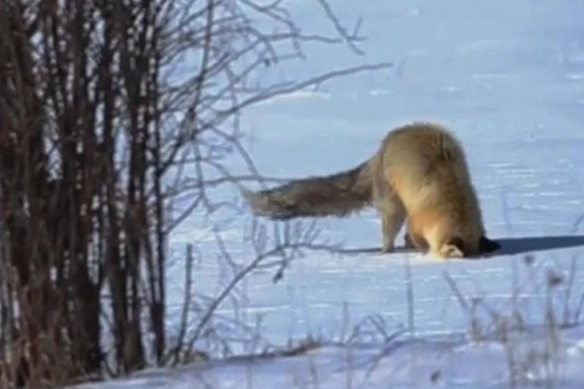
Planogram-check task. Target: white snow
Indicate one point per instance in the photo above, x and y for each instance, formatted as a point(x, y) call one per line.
point(419, 364)
point(507, 76)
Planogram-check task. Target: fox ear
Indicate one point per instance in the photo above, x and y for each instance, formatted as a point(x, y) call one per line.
point(487, 245)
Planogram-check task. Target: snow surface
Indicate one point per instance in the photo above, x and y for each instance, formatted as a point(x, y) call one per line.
point(507, 76)
point(410, 365)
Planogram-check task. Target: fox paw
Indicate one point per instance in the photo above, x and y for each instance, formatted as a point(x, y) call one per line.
point(387, 248)
point(450, 251)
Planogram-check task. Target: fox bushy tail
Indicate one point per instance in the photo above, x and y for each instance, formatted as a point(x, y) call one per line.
point(336, 195)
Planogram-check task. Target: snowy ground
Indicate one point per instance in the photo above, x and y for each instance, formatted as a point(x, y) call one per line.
point(410, 365)
point(508, 78)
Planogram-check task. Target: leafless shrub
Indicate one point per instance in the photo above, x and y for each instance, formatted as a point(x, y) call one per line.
point(531, 346)
point(116, 118)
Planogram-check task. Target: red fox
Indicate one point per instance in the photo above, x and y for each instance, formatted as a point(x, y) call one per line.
point(419, 173)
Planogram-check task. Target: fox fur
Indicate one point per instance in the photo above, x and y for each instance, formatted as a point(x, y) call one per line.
point(419, 174)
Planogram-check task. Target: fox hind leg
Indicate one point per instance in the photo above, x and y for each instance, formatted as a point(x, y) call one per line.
point(393, 215)
point(390, 208)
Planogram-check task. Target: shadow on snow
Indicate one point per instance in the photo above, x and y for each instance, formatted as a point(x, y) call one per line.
point(509, 246)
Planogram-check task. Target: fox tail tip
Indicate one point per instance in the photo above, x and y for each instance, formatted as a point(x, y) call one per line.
point(254, 201)
point(247, 194)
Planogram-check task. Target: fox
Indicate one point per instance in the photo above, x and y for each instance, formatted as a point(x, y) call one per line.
point(419, 175)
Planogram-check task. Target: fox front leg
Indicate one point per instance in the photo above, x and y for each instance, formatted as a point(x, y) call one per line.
point(416, 241)
point(408, 243)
